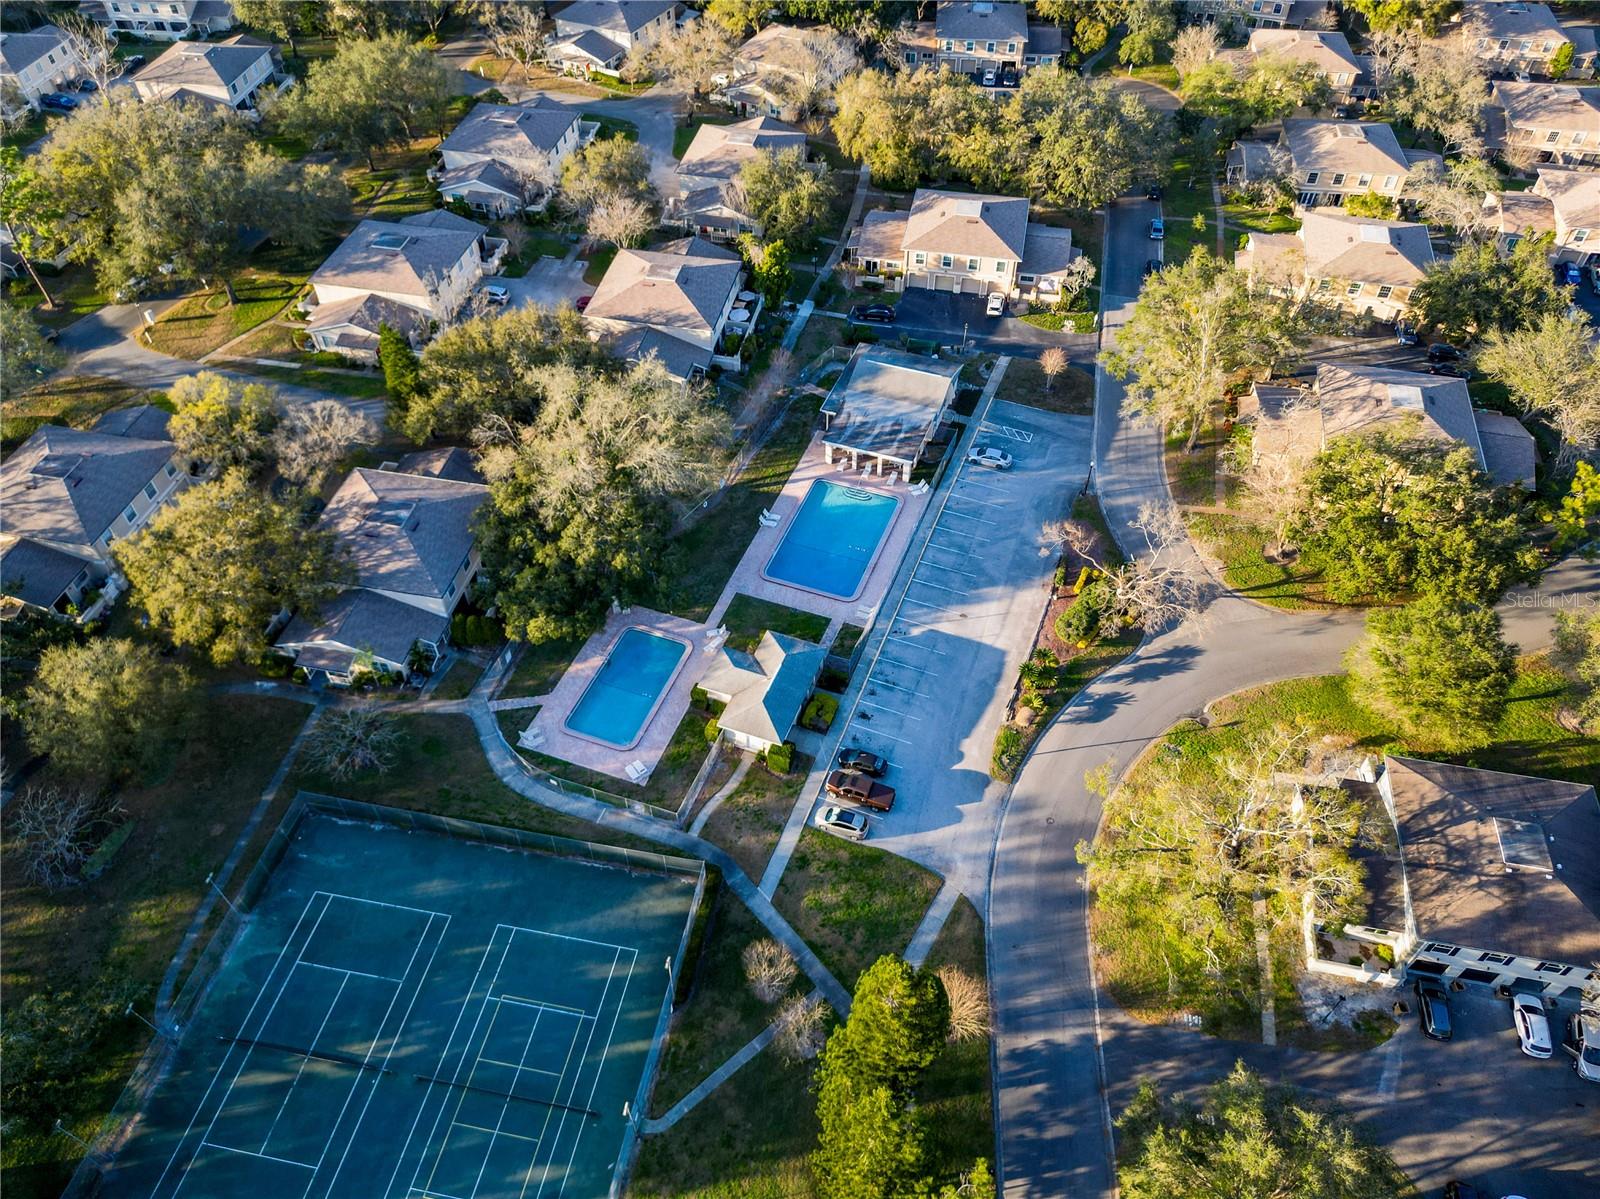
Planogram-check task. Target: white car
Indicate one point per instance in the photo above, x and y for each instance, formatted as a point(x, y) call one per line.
point(990, 456)
point(496, 294)
point(996, 305)
point(843, 822)
point(1532, 1025)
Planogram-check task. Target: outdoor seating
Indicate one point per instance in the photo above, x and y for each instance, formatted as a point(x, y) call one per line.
point(638, 771)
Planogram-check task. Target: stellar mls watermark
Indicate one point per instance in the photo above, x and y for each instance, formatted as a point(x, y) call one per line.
point(1553, 601)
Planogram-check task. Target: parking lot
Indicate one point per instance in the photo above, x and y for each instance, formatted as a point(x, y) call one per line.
point(549, 283)
point(945, 317)
point(936, 689)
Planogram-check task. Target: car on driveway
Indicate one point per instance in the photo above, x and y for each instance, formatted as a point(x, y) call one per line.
point(84, 85)
point(1455, 370)
point(1008, 77)
point(1158, 229)
point(990, 456)
point(1583, 1043)
point(582, 302)
point(858, 788)
point(843, 822)
point(873, 314)
point(862, 762)
point(1433, 1010)
point(59, 101)
point(990, 78)
point(1405, 334)
point(1532, 1025)
point(996, 305)
point(1153, 192)
point(496, 294)
point(1567, 274)
point(1443, 351)
point(133, 62)
point(1153, 266)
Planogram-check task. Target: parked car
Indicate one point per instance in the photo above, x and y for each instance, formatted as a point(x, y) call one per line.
point(858, 788)
point(1583, 1043)
point(990, 77)
point(1443, 351)
point(1567, 274)
point(133, 62)
point(1153, 266)
point(1594, 278)
point(1158, 229)
point(1405, 334)
point(1433, 1010)
point(1532, 1025)
point(1153, 192)
point(990, 456)
point(996, 305)
point(873, 314)
point(1456, 370)
point(1008, 77)
point(862, 762)
point(843, 822)
point(86, 85)
point(582, 302)
point(496, 294)
point(59, 101)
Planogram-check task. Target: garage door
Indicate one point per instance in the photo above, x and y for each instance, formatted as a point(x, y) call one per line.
point(972, 287)
point(944, 283)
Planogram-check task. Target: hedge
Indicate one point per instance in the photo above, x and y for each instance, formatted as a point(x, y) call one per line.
point(780, 758)
point(819, 712)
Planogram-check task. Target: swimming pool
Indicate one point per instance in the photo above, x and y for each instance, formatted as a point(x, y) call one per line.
point(832, 541)
point(621, 698)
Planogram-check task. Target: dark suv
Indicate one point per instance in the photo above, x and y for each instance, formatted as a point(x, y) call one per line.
point(873, 314)
point(1433, 1010)
point(862, 762)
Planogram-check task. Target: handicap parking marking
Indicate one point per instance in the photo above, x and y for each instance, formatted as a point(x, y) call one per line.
point(1025, 436)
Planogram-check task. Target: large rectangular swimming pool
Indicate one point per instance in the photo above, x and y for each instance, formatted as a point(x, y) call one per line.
point(833, 540)
point(623, 695)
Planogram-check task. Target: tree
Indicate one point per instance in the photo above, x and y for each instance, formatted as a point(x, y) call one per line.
point(1150, 26)
point(1440, 667)
point(402, 369)
point(769, 968)
point(372, 94)
point(94, 47)
point(1478, 290)
point(1159, 588)
point(1575, 518)
point(217, 566)
point(876, 122)
point(312, 439)
point(1388, 15)
point(1552, 370)
point(1560, 62)
point(221, 421)
point(1052, 362)
point(788, 197)
point(29, 214)
point(621, 220)
point(1248, 1140)
point(106, 708)
point(738, 17)
point(56, 830)
point(52, 1040)
point(605, 168)
point(1090, 21)
point(350, 741)
point(1453, 196)
point(1577, 655)
point(1440, 86)
point(1194, 47)
point(1371, 204)
point(1269, 88)
point(769, 268)
point(516, 32)
point(799, 1027)
point(808, 67)
point(28, 357)
point(692, 56)
point(279, 19)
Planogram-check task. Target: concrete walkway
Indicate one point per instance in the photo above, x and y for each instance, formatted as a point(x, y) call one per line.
point(933, 922)
point(727, 789)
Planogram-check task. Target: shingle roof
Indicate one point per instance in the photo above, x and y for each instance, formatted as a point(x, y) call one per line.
point(1361, 146)
point(680, 358)
point(765, 49)
point(1328, 52)
point(406, 256)
point(1574, 196)
point(957, 223)
point(1049, 250)
point(447, 462)
point(486, 173)
point(144, 422)
point(366, 313)
point(512, 130)
point(203, 64)
point(1518, 213)
point(1547, 105)
point(995, 20)
point(1364, 249)
point(68, 485)
point(359, 620)
point(1521, 18)
point(767, 688)
point(19, 51)
point(1509, 453)
point(631, 16)
point(596, 47)
point(881, 234)
point(699, 247)
point(404, 533)
point(667, 291)
point(36, 573)
point(887, 401)
point(1354, 399)
point(720, 151)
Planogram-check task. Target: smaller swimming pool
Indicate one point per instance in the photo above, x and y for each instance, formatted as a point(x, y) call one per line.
point(624, 694)
point(833, 540)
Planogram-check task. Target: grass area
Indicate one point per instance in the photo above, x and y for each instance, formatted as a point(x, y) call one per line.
point(76, 400)
point(722, 1014)
point(124, 926)
point(1192, 474)
point(599, 262)
point(612, 126)
point(29, 129)
point(74, 289)
point(1243, 216)
point(749, 822)
point(360, 387)
point(956, 1093)
point(852, 903)
point(1187, 196)
point(204, 321)
point(685, 134)
point(270, 340)
point(540, 667)
point(459, 680)
point(1239, 543)
point(848, 638)
point(747, 618)
point(703, 556)
point(667, 783)
point(1072, 391)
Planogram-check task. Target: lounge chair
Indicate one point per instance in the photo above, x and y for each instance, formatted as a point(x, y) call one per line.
point(638, 771)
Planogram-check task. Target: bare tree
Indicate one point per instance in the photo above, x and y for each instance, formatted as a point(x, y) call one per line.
point(1276, 484)
point(1194, 46)
point(514, 30)
point(1456, 196)
point(811, 65)
point(346, 742)
point(691, 56)
point(1078, 275)
point(312, 439)
point(800, 1023)
point(620, 220)
point(1161, 587)
point(56, 830)
point(92, 45)
point(969, 1004)
point(770, 969)
point(1052, 362)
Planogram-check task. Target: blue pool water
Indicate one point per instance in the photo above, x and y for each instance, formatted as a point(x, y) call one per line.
point(833, 539)
point(619, 699)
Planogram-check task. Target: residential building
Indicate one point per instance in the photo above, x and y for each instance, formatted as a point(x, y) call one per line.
point(675, 303)
point(1368, 266)
point(36, 63)
point(1545, 122)
point(504, 157)
point(351, 326)
point(758, 85)
point(428, 262)
point(1348, 74)
point(884, 409)
point(764, 691)
point(1348, 401)
point(597, 35)
point(1562, 203)
point(161, 20)
point(1260, 14)
point(410, 539)
point(1513, 37)
point(69, 494)
point(1331, 160)
point(709, 200)
point(230, 73)
point(988, 35)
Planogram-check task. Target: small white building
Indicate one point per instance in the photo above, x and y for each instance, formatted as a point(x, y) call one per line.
point(764, 691)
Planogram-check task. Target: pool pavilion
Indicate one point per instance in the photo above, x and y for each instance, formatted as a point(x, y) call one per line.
point(884, 409)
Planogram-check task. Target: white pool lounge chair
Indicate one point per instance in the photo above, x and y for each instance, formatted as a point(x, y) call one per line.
point(638, 771)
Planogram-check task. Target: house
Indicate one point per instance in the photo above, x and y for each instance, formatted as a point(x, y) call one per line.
point(1348, 74)
point(763, 691)
point(161, 20)
point(1348, 401)
point(1492, 879)
point(1564, 204)
point(409, 537)
point(68, 494)
point(1260, 14)
point(709, 200)
point(988, 35)
point(37, 62)
point(448, 462)
point(1545, 122)
point(675, 303)
point(597, 35)
point(351, 326)
point(1512, 37)
point(230, 73)
point(1335, 159)
point(501, 157)
point(758, 85)
point(884, 409)
point(1366, 265)
point(428, 262)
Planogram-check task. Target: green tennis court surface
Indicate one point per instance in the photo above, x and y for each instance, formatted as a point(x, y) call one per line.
point(411, 1016)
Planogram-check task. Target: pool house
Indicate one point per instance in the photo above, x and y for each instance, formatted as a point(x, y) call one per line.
point(884, 409)
point(765, 690)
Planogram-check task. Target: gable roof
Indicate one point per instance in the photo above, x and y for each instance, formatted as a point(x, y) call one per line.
point(666, 290)
point(886, 402)
point(681, 359)
point(1509, 453)
point(36, 573)
point(1518, 213)
point(1368, 147)
point(1547, 105)
point(145, 422)
point(986, 20)
point(720, 151)
point(1355, 399)
point(400, 256)
point(1328, 52)
point(486, 173)
point(1513, 18)
point(958, 223)
point(628, 17)
point(512, 130)
point(590, 44)
point(446, 462)
point(764, 49)
point(1574, 197)
point(358, 620)
point(1049, 250)
point(767, 688)
point(1337, 246)
point(19, 51)
point(362, 316)
point(187, 65)
point(68, 485)
point(405, 533)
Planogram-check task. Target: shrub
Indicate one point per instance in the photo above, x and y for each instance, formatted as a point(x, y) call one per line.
point(698, 696)
point(274, 666)
point(770, 969)
point(1009, 746)
point(780, 758)
point(819, 712)
point(713, 730)
point(51, 1042)
point(969, 1004)
point(1083, 620)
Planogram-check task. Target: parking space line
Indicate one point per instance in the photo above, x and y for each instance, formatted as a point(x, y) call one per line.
point(939, 587)
point(904, 640)
point(891, 711)
point(881, 733)
point(950, 549)
point(875, 681)
point(911, 599)
point(949, 511)
point(896, 664)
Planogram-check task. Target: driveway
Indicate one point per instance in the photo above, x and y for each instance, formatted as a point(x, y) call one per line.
point(549, 283)
point(945, 317)
point(935, 691)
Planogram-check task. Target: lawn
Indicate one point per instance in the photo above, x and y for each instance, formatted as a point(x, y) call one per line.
point(1192, 474)
point(540, 667)
point(702, 557)
point(458, 681)
point(747, 618)
point(599, 262)
point(612, 126)
point(356, 386)
point(849, 636)
point(1072, 391)
point(668, 783)
point(124, 927)
point(271, 340)
point(852, 903)
point(1187, 196)
point(723, 1013)
point(749, 822)
point(1240, 544)
point(956, 1093)
point(76, 400)
point(73, 288)
point(204, 321)
point(683, 135)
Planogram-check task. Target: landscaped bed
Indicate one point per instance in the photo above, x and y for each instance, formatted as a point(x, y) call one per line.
point(1071, 391)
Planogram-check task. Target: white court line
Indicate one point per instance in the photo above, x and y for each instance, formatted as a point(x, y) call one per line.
point(510, 1136)
point(378, 903)
point(539, 932)
point(304, 1061)
point(520, 1001)
point(505, 1104)
point(247, 1153)
point(358, 973)
point(595, 1085)
point(494, 1061)
point(891, 711)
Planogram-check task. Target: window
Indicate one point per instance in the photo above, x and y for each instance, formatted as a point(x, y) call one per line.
point(1389, 181)
point(1548, 46)
point(449, 591)
point(1578, 135)
point(972, 264)
point(1580, 236)
point(945, 261)
point(948, 44)
point(971, 45)
point(1025, 279)
point(1001, 266)
point(1324, 285)
point(1011, 47)
point(106, 540)
point(1527, 44)
point(1385, 292)
point(988, 47)
point(1553, 137)
point(1338, 180)
point(130, 515)
point(1353, 290)
point(1503, 44)
point(1364, 182)
point(1312, 177)
point(149, 491)
point(919, 259)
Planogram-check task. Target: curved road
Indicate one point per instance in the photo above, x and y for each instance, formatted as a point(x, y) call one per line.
point(1055, 1133)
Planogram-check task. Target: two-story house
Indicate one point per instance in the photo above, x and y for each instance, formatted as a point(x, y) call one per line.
point(427, 263)
point(503, 157)
point(979, 37)
point(410, 539)
point(69, 494)
point(161, 20)
point(230, 73)
point(597, 35)
point(1513, 37)
point(1545, 122)
point(759, 83)
point(1332, 160)
point(1367, 266)
point(1562, 203)
point(1349, 74)
point(1258, 14)
point(709, 200)
point(35, 63)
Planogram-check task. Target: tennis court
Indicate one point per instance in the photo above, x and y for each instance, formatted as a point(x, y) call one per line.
point(414, 1016)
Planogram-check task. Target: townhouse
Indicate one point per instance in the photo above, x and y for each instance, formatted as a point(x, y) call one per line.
point(1545, 122)
point(710, 201)
point(1331, 160)
point(1349, 74)
point(598, 35)
point(35, 63)
point(1258, 14)
point(503, 158)
point(161, 20)
point(1562, 203)
point(230, 74)
point(1512, 37)
point(991, 40)
point(1364, 265)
